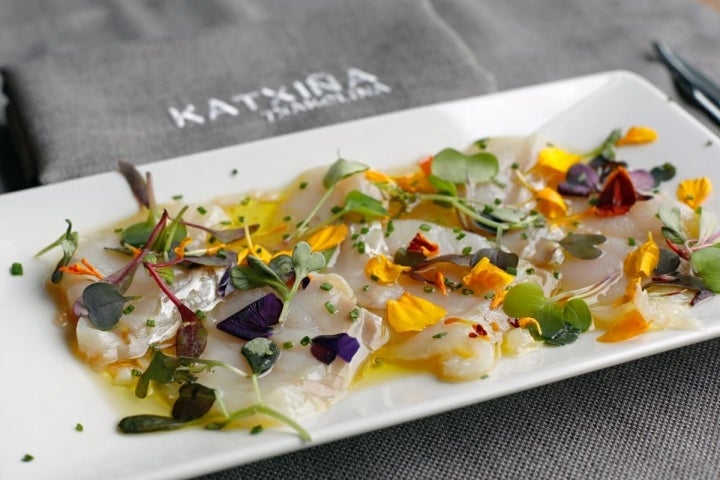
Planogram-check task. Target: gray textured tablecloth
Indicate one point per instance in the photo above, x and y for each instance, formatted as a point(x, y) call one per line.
point(651, 418)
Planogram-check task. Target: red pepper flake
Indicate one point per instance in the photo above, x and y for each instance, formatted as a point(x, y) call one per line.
point(420, 244)
point(617, 196)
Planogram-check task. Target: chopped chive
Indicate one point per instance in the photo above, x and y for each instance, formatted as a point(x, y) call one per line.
point(390, 228)
point(129, 309)
point(201, 210)
point(460, 236)
point(330, 307)
point(16, 269)
point(511, 270)
point(303, 185)
point(177, 197)
point(354, 314)
point(428, 289)
point(530, 271)
point(245, 201)
point(467, 250)
point(256, 429)
point(287, 345)
point(326, 286)
point(467, 292)
point(28, 458)
point(234, 172)
point(200, 314)
point(364, 230)
point(632, 242)
point(489, 295)
point(440, 335)
point(79, 427)
point(150, 322)
point(425, 227)
point(305, 341)
point(365, 288)
point(136, 373)
point(287, 218)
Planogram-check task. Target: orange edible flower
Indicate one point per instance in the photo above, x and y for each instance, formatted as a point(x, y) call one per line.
point(637, 135)
point(486, 277)
point(553, 163)
point(693, 192)
point(180, 249)
point(640, 263)
point(82, 268)
point(420, 244)
point(415, 182)
point(426, 165)
point(412, 314)
point(328, 237)
point(550, 203)
point(630, 325)
point(383, 270)
point(440, 282)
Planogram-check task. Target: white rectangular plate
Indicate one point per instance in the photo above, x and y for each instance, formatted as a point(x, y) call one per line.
point(47, 391)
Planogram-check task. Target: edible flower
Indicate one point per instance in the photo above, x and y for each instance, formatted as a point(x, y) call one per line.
point(412, 314)
point(617, 196)
point(487, 277)
point(550, 203)
point(180, 249)
point(553, 163)
point(328, 237)
point(693, 192)
point(630, 324)
point(420, 244)
point(255, 320)
point(637, 135)
point(328, 347)
point(383, 270)
point(84, 267)
point(640, 263)
point(377, 176)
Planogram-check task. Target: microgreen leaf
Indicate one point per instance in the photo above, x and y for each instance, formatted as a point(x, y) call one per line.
point(194, 401)
point(257, 274)
point(576, 313)
point(162, 369)
point(456, 167)
point(706, 264)
point(305, 261)
point(137, 183)
point(255, 320)
point(444, 187)
point(362, 204)
point(261, 354)
point(663, 173)
point(327, 347)
point(104, 304)
point(555, 330)
point(68, 242)
point(148, 423)
point(582, 246)
point(524, 299)
point(340, 170)
point(667, 263)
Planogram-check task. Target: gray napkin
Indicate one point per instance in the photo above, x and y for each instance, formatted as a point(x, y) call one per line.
point(79, 112)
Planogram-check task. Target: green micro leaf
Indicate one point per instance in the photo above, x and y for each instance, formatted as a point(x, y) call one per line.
point(148, 423)
point(524, 299)
point(450, 165)
point(340, 170)
point(162, 369)
point(261, 354)
point(583, 245)
point(362, 204)
point(706, 264)
point(482, 167)
point(305, 261)
point(68, 242)
point(444, 187)
point(194, 401)
point(576, 313)
point(104, 303)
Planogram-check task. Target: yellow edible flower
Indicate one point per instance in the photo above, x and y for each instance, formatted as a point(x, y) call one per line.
point(640, 263)
point(383, 270)
point(259, 251)
point(553, 163)
point(637, 135)
point(485, 277)
point(377, 176)
point(550, 203)
point(694, 191)
point(631, 324)
point(328, 237)
point(412, 314)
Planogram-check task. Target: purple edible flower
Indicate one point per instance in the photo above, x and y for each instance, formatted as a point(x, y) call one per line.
point(642, 180)
point(255, 320)
point(326, 347)
point(581, 180)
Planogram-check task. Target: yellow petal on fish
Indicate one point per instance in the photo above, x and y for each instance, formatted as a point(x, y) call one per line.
point(412, 314)
point(693, 192)
point(637, 135)
point(486, 277)
point(550, 203)
point(328, 237)
point(383, 270)
point(642, 261)
point(553, 163)
point(377, 176)
point(629, 325)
